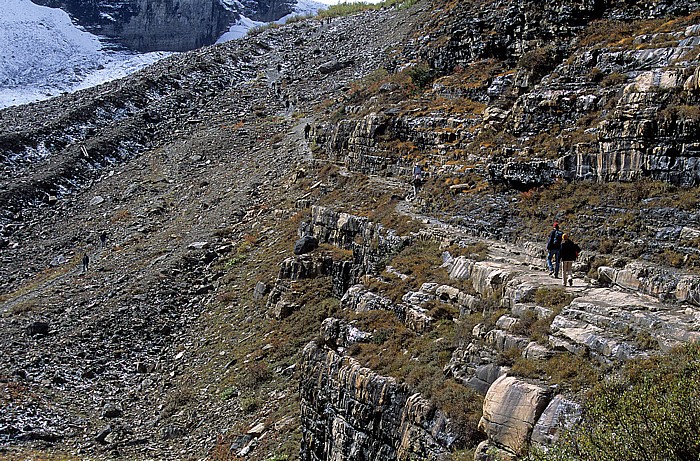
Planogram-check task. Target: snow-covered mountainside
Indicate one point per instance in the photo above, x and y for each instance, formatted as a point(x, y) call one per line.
point(43, 54)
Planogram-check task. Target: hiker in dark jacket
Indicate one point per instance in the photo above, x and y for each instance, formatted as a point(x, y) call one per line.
point(568, 253)
point(553, 247)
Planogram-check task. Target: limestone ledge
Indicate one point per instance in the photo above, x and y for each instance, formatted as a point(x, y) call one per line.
point(658, 282)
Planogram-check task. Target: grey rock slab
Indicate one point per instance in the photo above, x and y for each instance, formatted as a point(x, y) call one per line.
point(511, 410)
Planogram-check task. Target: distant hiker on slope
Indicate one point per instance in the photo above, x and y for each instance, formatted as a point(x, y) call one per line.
point(103, 239)
point(417, 178)
point(553, 247)
point(86, 262)
point(569, 252)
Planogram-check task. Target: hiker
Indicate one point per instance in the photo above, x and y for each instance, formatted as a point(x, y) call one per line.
point(103, 239)
point(569, 252)
point(417, 178)
point(86, 262)
point(553, 247)
point(307, 130)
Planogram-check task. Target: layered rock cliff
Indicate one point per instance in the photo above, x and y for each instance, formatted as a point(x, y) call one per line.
point(165, 25)
point(579, 110)
point(350, 412)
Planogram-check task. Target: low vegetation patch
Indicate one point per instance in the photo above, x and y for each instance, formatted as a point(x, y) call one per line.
point(650, 411)
point(553, 298)
point(346, 9)
point(569, 372)
point(421, 262)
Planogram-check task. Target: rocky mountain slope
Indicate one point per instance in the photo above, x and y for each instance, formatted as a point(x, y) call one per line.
point(418, 327)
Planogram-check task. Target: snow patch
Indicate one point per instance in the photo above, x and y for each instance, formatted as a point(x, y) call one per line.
point(43, 54)
point(241, 27)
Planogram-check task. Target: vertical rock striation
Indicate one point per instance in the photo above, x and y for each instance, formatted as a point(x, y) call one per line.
point(348, 412)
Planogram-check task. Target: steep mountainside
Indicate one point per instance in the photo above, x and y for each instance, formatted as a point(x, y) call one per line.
point(263, 282)
point(158, 25)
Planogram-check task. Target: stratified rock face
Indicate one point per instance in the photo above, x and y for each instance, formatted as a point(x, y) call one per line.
point(644, 123)
point(511, 409)
point(349, 412)
point(151, 25)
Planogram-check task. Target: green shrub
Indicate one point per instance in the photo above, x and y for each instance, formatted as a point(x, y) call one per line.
point(644, 340)
point(250, 403)
point(421, 75)
point(508, 357)
point(229, 392)
point(651, 411)
point(282, 457)
point(567, 371)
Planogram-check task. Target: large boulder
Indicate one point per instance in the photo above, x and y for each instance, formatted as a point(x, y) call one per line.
point(511, 409)
point(305, 245)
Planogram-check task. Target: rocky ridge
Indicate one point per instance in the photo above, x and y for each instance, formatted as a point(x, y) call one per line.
point(606, 324)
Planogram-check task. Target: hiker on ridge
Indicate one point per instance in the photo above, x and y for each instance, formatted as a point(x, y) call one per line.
point(86, 262)
point(569, 252)
point(553, 247)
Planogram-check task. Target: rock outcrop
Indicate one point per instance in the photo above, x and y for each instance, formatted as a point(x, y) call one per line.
point(350, 412)
point(639, 98)
point(511, 410)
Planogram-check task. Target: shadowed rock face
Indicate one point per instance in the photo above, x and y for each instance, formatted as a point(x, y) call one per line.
point(164, 25)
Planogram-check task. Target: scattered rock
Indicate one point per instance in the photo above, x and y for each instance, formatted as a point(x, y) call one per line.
point(111, 410)
point(306, 244)
point(334, 66)
point(37, 328)
point(257, 429)
point(172, 432)
point(97, 200)
point(104, 432)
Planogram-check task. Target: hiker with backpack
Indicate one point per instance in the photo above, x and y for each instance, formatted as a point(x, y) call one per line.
point(569, 252)
point(417, 178)
point(553, 247)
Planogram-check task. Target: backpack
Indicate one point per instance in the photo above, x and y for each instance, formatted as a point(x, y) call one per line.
point(555, 239)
